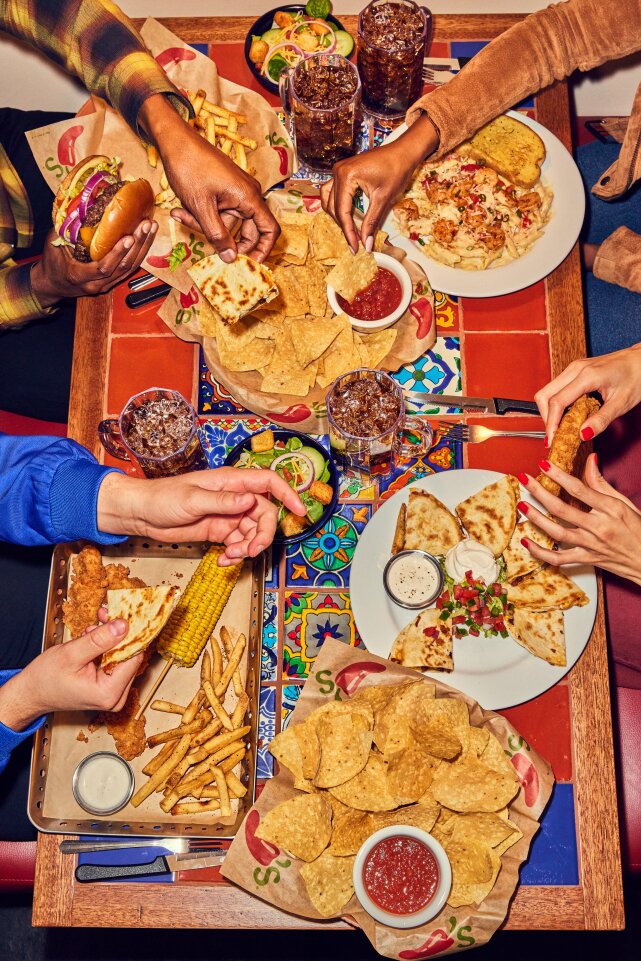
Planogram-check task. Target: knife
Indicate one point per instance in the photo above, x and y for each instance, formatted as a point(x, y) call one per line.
point(163, 864)
point(489, 405)
point(142, 297)
point(177, 845)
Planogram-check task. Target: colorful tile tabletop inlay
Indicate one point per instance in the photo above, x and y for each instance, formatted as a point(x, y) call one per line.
point(489, 347)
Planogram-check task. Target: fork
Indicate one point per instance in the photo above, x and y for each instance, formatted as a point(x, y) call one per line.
point(437, 74)
point(476, 434)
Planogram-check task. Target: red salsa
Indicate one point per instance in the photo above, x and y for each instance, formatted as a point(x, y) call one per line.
point(401, 875)
point(378, 300)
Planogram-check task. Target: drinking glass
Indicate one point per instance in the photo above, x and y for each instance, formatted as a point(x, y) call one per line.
point(178, 423)
point(393, 36)
point(323, 97)
point(409, 435)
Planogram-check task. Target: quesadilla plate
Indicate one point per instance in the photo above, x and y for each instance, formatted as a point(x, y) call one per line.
point(498, 672)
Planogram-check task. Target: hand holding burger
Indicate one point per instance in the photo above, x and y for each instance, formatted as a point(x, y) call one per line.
point(102, 232)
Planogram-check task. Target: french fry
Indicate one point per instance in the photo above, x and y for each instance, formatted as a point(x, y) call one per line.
point(232, 664)
point(216, 743)
point(209, 791)
point(164, 183)
point(210, 130)
point(230, 762)
point(194, 807)
point(194, 706)
point(167, 707)
point(225, 146)
point(228, 644)
point(205, 668)
point(198, 100)
point(152, 155)
point(207, 732)
point(217, 661)
point(159, 759)
point(216, 705)
point(164, 196)
point(221, 784)
point(241, 156)
point(234, 785)
point(232, 124)
point(240, 710)
point(163, 772)
point(196, 725)
point(237, 138)
point(223, 112)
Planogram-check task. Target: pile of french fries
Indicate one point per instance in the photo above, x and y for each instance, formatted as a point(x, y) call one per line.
point(219, 126)
point(194, 769)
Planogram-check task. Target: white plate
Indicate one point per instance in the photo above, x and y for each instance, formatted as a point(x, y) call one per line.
point(559, 172)
point(497, 672)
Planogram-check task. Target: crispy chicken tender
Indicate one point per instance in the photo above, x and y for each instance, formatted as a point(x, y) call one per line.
point(567, 440)
point(86, 593)
point(118, 578)
point(128, 734)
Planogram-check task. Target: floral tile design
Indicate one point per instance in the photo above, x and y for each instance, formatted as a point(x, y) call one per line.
point(310, 618)
point(272, 565)
point(220, 434)
point(269, 649)
point(447, 313)
point(291, 693)
point(266, 731)
point(438, 371)
point(444, 455)
point(324, 559)
point(213, 398)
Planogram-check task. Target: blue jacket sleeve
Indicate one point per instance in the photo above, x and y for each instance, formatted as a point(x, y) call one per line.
point(49, 491)
point(9, 738)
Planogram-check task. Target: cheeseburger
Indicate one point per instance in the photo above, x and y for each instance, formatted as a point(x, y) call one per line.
point(94, 209)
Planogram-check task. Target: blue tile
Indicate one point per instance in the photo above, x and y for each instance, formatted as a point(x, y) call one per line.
point(269, 649)
point(553, 856)
point(466, 48)
point(266, 732)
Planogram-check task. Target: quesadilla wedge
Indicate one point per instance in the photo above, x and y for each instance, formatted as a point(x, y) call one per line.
point(490, 516)
point(429, 526)
point(235, 289)
point(518, 560)
point(425, 643)
point(147, 609)
point(542, 633)
point(546, 590)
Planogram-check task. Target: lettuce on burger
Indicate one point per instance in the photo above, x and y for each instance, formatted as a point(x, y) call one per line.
point(94, 209)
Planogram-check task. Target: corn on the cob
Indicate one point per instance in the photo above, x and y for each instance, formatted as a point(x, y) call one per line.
point(195, 615)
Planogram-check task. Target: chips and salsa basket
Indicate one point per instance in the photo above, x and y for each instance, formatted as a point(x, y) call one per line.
point(371, 745)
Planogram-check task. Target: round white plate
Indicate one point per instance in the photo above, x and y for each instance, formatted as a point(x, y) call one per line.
point(497, 672)
point(559, 172)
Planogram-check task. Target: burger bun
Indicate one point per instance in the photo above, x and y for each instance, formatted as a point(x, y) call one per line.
point(133, 202)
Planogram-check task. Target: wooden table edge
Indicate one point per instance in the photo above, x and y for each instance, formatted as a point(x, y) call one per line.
point(596, 904)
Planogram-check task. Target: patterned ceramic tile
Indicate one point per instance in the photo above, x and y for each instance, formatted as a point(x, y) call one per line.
point(438, 371)
point(272, 564)
point(447, 313)
point(354, 486)
point(444, 455)
point(212, 396)
point(220, 434)
point(324, 559)
point(266, 731)
point(310, 618)
point(269, 650)
point(291, 693)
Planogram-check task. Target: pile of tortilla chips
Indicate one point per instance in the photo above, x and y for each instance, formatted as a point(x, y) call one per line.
point(391, 755)
point(295, 341)
point(537, 594)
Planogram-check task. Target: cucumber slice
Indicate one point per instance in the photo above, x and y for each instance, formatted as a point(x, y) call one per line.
point(344, 43)
point(324, 477)
point(294, 443)
point(316, 458)
point(273, 36)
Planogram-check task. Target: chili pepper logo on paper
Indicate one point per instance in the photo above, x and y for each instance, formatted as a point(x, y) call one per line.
point(440, 940)
point(265, 853)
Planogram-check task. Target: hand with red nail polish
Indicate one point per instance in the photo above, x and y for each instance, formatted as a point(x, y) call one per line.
point(616, 377)
point(607, 535)
point(523, 479)
point(522, 507)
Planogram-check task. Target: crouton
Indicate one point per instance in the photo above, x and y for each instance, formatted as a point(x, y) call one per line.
point(263, 441)
point(321, 492)
point(292, 524)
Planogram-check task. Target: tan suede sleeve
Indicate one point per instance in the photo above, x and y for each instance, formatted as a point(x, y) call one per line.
point(618, 260)
point(548, 45)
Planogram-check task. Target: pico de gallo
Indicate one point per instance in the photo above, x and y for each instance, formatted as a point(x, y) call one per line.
point(475, 607)
point(297, 36)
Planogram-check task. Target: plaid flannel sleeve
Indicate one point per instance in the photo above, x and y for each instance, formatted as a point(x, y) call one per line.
point(18, 303)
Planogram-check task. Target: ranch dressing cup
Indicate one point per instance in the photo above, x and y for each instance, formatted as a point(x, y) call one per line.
point(368, 425)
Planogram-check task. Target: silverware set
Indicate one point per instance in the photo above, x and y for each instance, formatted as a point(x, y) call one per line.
point(476, 433)
point(439, 72)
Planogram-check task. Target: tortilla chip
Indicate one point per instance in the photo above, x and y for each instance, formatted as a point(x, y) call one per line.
point(484, 826)
point(518, 560)
point(463, 894)
point(317, 289)
point(352, 274)
point(429, 526)
point(567, 440)
point(329, 883)
point(542, 633)
point(283, 374)
point(494, 756)
point(286, 748)
point(490, 515)
point(147, 610)
point(349, 832)
point(235, 289)
point(380, 239)
point(469, 785)
point(345, 747)
point(309, 746)
point(327, 240)
point(301, 826)
point(341, 355)
point(292, 297)
point(449, 715)
point(312, 336)
point(368, 791)
point(409, 774)
point(546, 590)
point(374, 347)
point(469, 858)
point(244, 352)
point(291, 246)
point(414, 648)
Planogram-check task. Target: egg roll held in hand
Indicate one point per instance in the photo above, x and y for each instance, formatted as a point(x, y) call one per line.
point(567, 439)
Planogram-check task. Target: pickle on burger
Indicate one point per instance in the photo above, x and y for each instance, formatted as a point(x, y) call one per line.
point(94, 209)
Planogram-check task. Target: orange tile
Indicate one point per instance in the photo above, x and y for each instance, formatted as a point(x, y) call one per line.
point(545, 725)
point(439, 48)
point(505, 365)
point(137, 363)
point(142, 320)
point(508, 454)
point(524, 310)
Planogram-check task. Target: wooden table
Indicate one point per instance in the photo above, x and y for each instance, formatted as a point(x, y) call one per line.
point(571, 725)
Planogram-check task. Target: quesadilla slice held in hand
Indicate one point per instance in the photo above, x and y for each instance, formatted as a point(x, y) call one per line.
point(235, 289)
point(518, 560)
point(147, 609)
point(546, 590)
point(429, 526)
point(490, 516)
point(425, 643)
point(542, 633)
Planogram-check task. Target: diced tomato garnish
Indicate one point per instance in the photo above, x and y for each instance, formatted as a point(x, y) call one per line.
point(468, 168)
point(474, 631)
point(459, 619)
point(468, 577)
point(431, 632)
point(414, 236)
point(525, 221)
point(445, 596)
point(439, 604)
point(496, 589)
point(499, 625)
